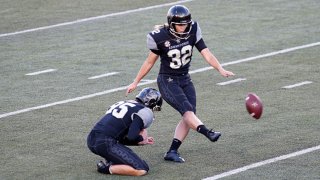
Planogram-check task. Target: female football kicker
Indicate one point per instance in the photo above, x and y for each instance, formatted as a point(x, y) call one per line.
point(173, 43)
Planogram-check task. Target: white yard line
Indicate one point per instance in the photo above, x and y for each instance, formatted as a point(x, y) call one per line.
point(70, 100)
point(262, 163)
point(91, 18)
point(153, 81)
point(297, 85)
point(103, 75)
point(41, 72)
point(231, 81)
point(260, 56)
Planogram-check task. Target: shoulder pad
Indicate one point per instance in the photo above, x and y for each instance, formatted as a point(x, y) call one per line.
point(151, 44)
point(146, 115)
point(197, 31)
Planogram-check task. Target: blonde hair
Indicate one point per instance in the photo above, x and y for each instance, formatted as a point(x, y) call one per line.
point(159, 26)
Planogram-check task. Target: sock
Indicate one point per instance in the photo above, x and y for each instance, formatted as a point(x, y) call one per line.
point(175, 144)
point(203, 129)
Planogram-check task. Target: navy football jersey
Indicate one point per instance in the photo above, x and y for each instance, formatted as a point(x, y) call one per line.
point(119, 117)
point(175, 53)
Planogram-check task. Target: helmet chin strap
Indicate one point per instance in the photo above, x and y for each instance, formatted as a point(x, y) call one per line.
point(175, 35)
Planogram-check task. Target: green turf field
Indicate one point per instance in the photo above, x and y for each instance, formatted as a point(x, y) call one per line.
point(45, 118)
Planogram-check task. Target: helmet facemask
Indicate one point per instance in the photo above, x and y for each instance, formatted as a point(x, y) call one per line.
point(180, 35)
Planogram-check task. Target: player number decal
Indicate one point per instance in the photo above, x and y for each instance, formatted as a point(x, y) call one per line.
point(120, 109)
point(180, 58)
point(155, 31)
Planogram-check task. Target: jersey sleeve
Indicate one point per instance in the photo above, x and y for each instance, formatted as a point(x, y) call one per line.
point(146, 115)
point(199, 34)
point(133, 137)
point(200, 45)
point(152, 45)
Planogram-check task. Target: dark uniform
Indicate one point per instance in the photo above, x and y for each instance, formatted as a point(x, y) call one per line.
point(174, 82)
point(121, 126)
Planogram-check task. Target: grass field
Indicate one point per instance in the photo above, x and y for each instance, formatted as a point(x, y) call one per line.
point(45, 118)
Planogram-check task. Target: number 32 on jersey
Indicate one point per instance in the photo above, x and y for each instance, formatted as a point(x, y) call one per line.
point(180, 58)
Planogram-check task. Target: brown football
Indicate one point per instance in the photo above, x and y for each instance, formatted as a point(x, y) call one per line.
point(254, 105)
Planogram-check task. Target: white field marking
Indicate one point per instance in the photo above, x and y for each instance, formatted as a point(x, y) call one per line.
point(70, 100)
point(259, 56)
point(41, 72)
point(296, 85)
point(153, 81)
point(92, 18)
point(231, 81)
point(146, 80)
point(103, 75)
point(262, 163)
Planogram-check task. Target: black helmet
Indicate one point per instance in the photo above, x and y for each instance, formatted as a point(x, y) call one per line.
point(151, 98)
point(179, 14)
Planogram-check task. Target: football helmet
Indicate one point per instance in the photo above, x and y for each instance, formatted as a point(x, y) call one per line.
point(151, 98)
point(179, 14)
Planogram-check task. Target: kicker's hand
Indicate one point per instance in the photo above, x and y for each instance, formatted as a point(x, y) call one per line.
point(131, 88)
point(225, 73)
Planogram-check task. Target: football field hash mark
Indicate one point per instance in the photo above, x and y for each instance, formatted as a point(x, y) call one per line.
point(231, 81)
point(103, 75)
point(297, 85)
point(41, 72)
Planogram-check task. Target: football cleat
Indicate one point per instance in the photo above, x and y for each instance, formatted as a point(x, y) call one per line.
point(213, 136)
point(174, 156)
point(102, 167)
